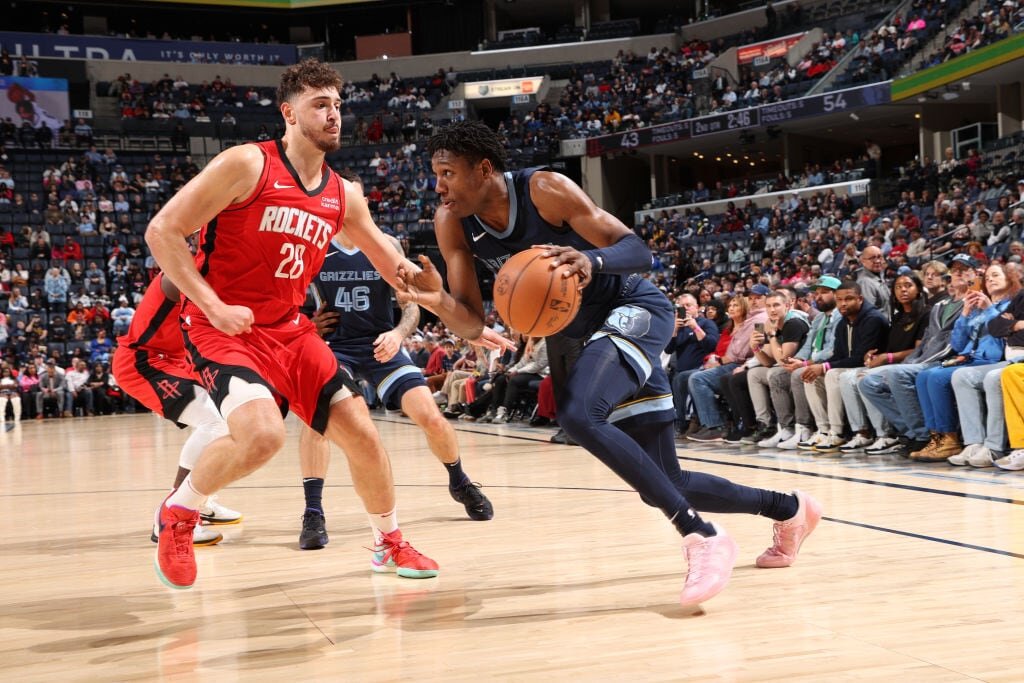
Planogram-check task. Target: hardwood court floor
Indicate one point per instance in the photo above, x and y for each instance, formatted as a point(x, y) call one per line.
point(916, 574)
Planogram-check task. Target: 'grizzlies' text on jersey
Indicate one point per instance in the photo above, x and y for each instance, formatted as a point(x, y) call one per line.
point(526, 228)
point(349, 285)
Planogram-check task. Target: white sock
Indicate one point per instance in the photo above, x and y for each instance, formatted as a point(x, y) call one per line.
point(186, 496)
point(382, 523)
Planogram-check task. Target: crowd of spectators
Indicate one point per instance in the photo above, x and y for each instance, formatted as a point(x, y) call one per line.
point(835, 328)
point(382, 109)
point(884, 50)
point(812, 175)
point(642, 90)
point(919, 363)
point(889, 50)
point(994, 21)
point(22, 66)
point(73, 266)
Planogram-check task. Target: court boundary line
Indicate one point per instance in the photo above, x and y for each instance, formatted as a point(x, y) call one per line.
point(925, 537)
point(859, 480)
point(784, 470)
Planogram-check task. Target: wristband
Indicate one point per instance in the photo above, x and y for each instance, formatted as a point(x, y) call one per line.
point(888, 358)
point(826, 366)
point(627, 256)
point(806, 363)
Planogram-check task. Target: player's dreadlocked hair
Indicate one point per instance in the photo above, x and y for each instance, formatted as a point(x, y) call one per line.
point(469, 139)
point(309, 73)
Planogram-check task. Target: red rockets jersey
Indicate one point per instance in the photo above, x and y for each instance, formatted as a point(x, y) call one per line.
point(155, 326)
point(264, 252)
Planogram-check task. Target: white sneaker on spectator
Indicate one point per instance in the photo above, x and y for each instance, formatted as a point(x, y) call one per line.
point(773, 441)
point(800, 434)
point(830, 444)
point(815, 440)
point(963, 457)
point(883, 444)
point(857, 443)
point(981, 457)
point(440, 398)
point(1013, 462)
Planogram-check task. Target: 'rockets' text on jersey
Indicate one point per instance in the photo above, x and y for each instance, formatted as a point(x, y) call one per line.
point(264, 252)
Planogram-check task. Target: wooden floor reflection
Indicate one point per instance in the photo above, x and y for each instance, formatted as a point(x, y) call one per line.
point(917, 572)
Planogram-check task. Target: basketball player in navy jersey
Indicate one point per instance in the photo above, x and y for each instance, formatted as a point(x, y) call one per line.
point(617, 403)
point(356, 318)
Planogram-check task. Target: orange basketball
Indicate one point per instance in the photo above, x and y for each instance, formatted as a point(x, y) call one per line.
point(533, 298)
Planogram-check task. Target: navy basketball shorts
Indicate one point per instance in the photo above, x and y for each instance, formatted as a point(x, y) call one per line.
point(390, 379)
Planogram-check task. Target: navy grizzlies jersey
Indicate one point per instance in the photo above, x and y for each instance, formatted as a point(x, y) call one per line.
point(350, 285)
point(526, 228)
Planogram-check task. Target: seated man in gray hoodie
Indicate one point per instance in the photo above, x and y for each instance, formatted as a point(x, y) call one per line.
point(892, 388)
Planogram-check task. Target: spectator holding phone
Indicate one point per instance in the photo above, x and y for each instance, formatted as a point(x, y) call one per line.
point(695, 337)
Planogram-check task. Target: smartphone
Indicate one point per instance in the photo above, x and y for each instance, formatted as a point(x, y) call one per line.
point(759, 328)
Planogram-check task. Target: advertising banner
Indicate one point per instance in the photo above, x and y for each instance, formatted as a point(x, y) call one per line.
point(769, 49)
point(743, 119)
point(508, 87)
point(134, 50)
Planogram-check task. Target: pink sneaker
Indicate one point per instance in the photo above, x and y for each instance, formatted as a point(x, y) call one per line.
point(788, 536)
point(709, 566)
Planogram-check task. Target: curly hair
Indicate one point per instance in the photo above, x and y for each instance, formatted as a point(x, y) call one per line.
point(471, 140)
point(309, 73)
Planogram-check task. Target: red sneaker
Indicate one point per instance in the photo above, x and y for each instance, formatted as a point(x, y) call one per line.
point(396, 555)
point(709, 566)
point(175, 559)
point(788, 536)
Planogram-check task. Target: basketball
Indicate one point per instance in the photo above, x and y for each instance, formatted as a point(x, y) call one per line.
point(533, 298)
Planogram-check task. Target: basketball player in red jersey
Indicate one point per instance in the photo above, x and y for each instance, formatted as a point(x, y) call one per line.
point(270, 210)
point(150, 365)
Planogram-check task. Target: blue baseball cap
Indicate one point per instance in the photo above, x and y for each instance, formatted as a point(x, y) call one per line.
point(964, 260)
point(760, 290)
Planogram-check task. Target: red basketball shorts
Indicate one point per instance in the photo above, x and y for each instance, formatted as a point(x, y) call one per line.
point(162, 383)
point(289, 358)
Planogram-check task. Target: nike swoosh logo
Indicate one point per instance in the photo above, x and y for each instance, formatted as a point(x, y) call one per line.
point(477, 238)
point(297, 319)
point(279, 186)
